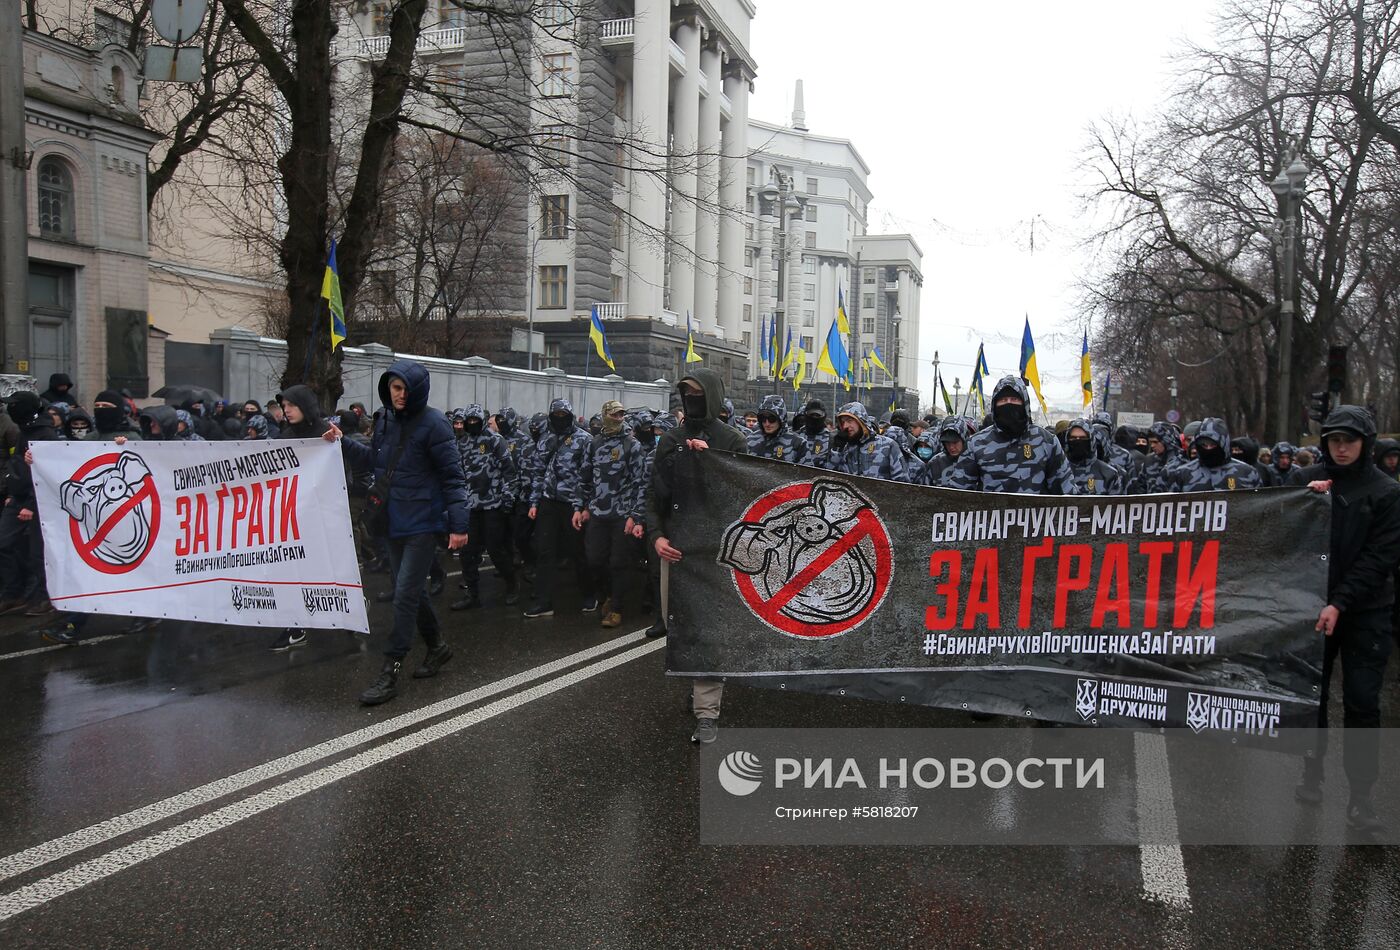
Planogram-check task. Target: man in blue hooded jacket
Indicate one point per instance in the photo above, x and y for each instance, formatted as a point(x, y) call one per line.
point(414, 452)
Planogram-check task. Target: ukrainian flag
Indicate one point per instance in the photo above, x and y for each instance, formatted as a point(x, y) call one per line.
point(788, 355)
point(330, 292)
point(877, 358)
point(801, 367)
point(690, 355)
point(600, 339)
point(765, 355)
point(1029, 372)
point(1086, 373)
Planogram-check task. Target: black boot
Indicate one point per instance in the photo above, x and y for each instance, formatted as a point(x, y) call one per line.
point(437, 656)
point(386, 687)
point(469, 602)
point(512, 591)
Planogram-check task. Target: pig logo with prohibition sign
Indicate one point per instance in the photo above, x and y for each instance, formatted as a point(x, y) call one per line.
point(114, 510)
point(811, 559)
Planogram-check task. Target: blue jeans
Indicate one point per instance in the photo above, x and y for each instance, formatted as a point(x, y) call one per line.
point(409, 562)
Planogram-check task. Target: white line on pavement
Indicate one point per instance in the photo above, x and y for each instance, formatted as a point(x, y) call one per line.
point(61, 847)
point(96, 869)
point(1163, 869)
point(59, 646)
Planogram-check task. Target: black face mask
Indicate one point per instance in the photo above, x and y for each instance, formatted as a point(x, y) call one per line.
point(473, 427)
point(1079, 450)
point(695, 407)
point(107, 418)
point(1011, 418)
point(504, 427)
point(815, 425)
point(561, 425)
point(646, 437)
point(1211, 458)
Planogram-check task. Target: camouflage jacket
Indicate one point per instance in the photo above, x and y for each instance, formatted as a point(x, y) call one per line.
point(558, 469)
point(818, 449)
point(519, 444)
point(1033, 464)
point(611, 479)
point(874, 456)
point(490, 470)
point(934, 472)
point(784, 445)
point(1096, 477)
point(1193, 476)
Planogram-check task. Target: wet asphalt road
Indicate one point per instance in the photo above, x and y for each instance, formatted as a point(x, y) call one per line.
point(185, 787)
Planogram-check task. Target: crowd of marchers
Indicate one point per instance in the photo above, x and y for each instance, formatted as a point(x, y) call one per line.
point(557, 491)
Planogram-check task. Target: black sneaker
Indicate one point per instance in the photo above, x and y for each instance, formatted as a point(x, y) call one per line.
point(657, 629)
point(590, 606)
point(469, 602)
point(1362, 816)
point(706, 731)
point(291, 637)
point(433, 662)
point(539, 610)
point(67, 635)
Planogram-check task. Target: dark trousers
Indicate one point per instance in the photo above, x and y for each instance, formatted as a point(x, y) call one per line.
point(410, 559)
point(21, 556)
point(611, 559)
point(1363, 641)
point(556, 538)
point(522, 533)
point(487, 531)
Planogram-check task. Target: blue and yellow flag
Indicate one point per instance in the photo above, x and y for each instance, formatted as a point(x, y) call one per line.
point(1086, 373)
point(1107, 380)
point(1029, 371)
point(765, 355)
point(775, 357)
point(330, 292)
point(877, 358)
point(787, 355)
point(690, 355)
point(801, 373)
point(600, 339)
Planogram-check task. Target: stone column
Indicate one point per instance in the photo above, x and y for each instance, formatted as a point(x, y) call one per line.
point(733, 172)
point(707, 252)
point(685, 137)
point(646, 260)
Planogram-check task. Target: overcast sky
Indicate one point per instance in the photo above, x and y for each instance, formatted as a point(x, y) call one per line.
point(973, 120)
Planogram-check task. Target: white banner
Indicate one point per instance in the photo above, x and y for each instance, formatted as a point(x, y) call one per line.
point(252, 533)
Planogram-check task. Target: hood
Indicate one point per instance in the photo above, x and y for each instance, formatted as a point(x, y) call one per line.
point(537, 424)
point(506, 421)
point(187, 417)
point(1213, 428)
point(259, 426)
point(23, 407)
point(857, 411)
point(475, 411)
point(1102, 439)
point(901, 437)
point(775, 405)
point(1354, 419)
point(1014, 385)
point(457, 415)
point(928, 437)
point(729, 409)
point(304, 399)
point(415, 376)
point(640, 419)
point(1103, 418)
point(713, 386)
point(74, 416)
point(953, 429)
point(165, 417)
point(561, 405)
point(60, 379)
point(1126, 436)
point(1249, 450)
point(1166, 433)
point(1383, 448)
point(1282, 448)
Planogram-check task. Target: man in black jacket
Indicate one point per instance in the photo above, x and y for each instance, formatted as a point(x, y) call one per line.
point(1365, 548)
point(21, 544)
point(702, 398)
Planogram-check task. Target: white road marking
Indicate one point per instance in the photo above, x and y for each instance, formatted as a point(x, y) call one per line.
point(1163, 868)
point(96, 869)
point(61, 847)
point(60, 646)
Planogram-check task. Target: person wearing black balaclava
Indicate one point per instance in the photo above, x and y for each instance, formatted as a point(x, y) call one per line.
point(21, 543)
point(1365, 548)
point(816, 433)
point(109, 418)
point(1212, 469)
point(555, 494)
point(701, 392)
point(60, 390)
point(1092, 474)
point(1013, 454)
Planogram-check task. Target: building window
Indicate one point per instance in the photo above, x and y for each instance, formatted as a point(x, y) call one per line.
point(811, 212)
point(555, 145)
point(618, 231)
point(619, 164)
point(620, 98)
point(748, 204)
point(451, 16)
point(751, 174)
point(746, 338)
point(867, 326)
point(809, 318)
point(811, 240)
point(379, 15)
point(617, 288)
point(55, 199)
point(748, 286)
point(554, 287)
point(748, 313)
point(811, 186)
point(807, 344)
point(452, 78)
point(867, 275)
point(557, 75)
point(891, 275)
point(556, 13)
point(749, 255)
point(809, 291)
point(867, 301)
point(550, 356)
point(809, 265)
point(748, 231)
point(554, 217)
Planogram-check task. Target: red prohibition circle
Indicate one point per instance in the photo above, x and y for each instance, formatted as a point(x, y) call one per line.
point(868, 525)
point(87, 546)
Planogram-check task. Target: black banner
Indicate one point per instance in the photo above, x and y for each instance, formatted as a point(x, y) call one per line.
point(1192, 611)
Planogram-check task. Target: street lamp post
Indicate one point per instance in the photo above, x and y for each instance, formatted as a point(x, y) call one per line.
point(1288, 186)
point(894, 377)
point(957, 390)
point(786, 205)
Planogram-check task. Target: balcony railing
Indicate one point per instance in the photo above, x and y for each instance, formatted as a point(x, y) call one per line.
point(445, 40)
point(614, 310)
point(703, 81)
point(677, 56)
point(670, 318)
point(618, 32)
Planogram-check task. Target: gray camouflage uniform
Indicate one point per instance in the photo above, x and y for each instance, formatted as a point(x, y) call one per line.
point(996, 460)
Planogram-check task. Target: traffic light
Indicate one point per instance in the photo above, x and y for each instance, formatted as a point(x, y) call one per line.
point(1336, 369)
point(1318, 405)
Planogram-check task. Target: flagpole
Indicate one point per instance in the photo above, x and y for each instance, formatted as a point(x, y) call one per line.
point(587, 370)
